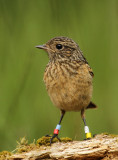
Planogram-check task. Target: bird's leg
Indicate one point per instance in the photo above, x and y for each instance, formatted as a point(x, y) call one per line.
point(86, 128)
point(58, 127)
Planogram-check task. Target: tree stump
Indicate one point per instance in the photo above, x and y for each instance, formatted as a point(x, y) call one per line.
point(101, 147)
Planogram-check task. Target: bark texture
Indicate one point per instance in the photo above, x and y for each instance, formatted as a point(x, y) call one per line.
point(101, 147)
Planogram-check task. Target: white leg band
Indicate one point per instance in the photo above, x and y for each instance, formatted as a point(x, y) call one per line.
point(86, 129)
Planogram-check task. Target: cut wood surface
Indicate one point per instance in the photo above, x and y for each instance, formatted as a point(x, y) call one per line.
point(102, 146)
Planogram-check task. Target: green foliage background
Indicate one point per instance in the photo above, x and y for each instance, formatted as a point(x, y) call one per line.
point(25, 108)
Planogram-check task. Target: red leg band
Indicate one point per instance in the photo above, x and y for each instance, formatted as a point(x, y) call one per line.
point(56, 131)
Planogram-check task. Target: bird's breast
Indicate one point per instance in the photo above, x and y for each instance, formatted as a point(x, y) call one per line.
point(69, 85)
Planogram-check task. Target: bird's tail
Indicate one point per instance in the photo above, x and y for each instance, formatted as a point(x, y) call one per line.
point(91, 105)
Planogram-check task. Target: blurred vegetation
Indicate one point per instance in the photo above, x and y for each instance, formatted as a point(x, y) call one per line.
point(25, 108)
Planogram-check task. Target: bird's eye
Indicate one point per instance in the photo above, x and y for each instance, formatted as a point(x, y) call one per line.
point(59, 46)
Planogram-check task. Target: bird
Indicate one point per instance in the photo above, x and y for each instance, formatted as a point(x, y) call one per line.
point(68, 79)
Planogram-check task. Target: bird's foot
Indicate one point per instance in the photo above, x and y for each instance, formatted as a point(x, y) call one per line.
point(54, 136)
point(89, 136)
point(55, 133)
point(47, 135)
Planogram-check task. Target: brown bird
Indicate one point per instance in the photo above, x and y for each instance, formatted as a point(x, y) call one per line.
point(68, 79)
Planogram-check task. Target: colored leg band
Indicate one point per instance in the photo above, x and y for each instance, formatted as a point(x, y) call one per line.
point(58, 127)
point(88, 134)
point(56, 131)
point(86, 129)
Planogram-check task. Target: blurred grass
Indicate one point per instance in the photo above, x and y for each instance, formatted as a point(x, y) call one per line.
point(25, 108)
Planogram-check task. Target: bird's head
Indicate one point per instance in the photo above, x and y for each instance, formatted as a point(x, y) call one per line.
point(62, 48)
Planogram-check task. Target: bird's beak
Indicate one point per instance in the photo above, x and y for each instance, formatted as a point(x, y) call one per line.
point(41, 46)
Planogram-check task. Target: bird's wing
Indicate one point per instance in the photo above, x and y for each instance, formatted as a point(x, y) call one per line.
point(90, 70)
point(86, 65)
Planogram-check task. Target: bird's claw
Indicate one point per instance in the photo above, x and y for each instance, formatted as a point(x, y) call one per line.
point(47, 135)
point(54, 136)
point(87, 139)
